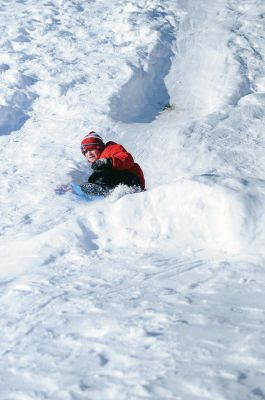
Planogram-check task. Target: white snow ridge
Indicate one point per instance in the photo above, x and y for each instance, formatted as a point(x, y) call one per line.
point(155, 295)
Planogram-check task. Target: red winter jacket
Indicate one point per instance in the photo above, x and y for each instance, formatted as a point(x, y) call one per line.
point(122, 160)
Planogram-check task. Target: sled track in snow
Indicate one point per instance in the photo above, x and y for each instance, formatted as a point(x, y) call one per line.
point(145, 95)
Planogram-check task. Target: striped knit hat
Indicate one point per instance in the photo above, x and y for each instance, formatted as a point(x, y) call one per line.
point(92, 141)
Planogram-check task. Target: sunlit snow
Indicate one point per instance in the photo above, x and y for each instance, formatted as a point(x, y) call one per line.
point(151, 295)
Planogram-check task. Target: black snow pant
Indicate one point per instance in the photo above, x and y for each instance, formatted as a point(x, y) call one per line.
point(112, 177)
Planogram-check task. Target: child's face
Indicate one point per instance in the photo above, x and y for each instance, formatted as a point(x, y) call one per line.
point(92, 155)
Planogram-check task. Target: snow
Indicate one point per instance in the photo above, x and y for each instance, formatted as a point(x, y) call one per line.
point(151, 295)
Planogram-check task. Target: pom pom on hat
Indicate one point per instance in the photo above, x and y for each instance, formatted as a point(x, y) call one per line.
point(92, 141)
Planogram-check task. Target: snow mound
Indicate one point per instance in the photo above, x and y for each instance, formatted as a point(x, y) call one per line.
point(189, 215)
point(16, 99)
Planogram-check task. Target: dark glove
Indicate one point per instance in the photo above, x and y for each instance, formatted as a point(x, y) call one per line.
point(101, 164)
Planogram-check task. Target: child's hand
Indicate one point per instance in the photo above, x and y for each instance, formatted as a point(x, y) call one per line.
point(63, 189)
point(102, 163)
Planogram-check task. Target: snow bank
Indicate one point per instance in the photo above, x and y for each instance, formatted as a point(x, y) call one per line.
point(186, 216)
point(16, 99)
point(27, 251)
point(145, 95)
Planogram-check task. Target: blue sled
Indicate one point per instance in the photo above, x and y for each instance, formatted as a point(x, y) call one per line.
point(85, 196)
point(90, 192)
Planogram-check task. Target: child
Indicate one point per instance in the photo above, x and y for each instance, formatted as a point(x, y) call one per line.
point(111, 163)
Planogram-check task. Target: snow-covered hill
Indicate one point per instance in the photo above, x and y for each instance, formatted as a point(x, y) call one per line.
point(153, 295)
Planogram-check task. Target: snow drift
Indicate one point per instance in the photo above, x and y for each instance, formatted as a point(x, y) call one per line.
point(189, 215)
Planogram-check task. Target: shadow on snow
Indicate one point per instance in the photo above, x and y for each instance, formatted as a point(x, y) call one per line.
point(145, 95)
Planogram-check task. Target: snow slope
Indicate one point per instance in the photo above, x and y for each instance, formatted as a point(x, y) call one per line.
point(153, 295)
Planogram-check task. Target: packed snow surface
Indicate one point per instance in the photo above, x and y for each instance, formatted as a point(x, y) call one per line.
point(151, 295)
